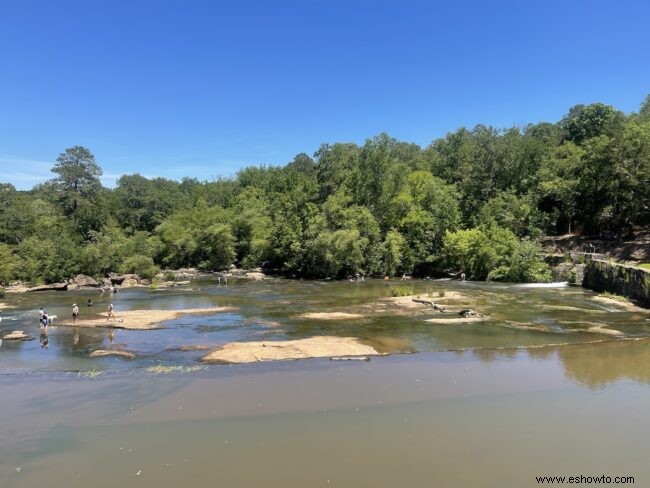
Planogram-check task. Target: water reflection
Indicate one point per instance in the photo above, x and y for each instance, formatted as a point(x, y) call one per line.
point(597, 365)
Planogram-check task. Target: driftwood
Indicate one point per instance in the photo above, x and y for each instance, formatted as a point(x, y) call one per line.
point(465, 313)
point(430, 303)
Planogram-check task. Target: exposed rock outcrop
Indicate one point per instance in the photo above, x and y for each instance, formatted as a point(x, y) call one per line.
point(17, 335)
point(142, 319)
point(51, 287)
point(314, 347)
point(125, 280)
point(82, 280)
point(256, 276)
point(569, 271)
point(331, 316)
point(100, 353)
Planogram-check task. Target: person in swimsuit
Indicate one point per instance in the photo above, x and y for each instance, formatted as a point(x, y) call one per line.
point(110, 313)
point(75, 313)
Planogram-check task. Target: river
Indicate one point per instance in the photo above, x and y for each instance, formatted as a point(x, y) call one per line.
point(484, 404)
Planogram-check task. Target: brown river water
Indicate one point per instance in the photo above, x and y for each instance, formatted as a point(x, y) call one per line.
point(485, 404)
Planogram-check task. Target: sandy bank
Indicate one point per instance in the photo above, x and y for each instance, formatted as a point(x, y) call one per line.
point(143, 319)
point(620, 304)
point(331, 316)
point(4, 306)
point(314, 347)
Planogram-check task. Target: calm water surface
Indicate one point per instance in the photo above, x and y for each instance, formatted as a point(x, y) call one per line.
point(271, 310)
point(495, 414)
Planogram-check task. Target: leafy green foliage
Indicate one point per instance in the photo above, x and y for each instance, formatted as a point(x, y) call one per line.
point(7, 264)
point(496, 254)
point(474, 200)
point(402, 290)
point(140, 265)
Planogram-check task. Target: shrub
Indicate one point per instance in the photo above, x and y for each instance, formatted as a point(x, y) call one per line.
point(402, 290)
point(573, 278)
point(143, 266)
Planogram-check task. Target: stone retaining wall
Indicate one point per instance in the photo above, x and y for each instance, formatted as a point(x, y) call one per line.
point(628, 281)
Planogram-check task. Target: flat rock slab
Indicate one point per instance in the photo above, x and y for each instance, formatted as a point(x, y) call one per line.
point(604, 329)
point(331, 316)
point(16, 289)
point(314, 347)
point(456, 320)
point(190, 347)
point(143, 319)
point(52, 287)
point(621, 304)
point(568, 308)
point(17, 335)
point(100, 353)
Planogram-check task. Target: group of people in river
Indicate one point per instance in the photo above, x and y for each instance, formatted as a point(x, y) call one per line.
point(45, 320)
point(111, 289)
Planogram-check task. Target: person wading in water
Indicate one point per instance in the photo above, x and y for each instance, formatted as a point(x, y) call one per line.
point(75, 313)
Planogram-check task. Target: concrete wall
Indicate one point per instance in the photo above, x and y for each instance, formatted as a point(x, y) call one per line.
point(628, 281)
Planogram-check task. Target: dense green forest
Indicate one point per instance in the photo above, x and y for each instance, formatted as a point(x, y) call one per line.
point(476, 200)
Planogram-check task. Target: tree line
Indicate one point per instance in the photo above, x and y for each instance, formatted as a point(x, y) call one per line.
point(476, 200)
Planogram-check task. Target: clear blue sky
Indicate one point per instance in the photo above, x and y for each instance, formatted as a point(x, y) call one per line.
point(199, 88)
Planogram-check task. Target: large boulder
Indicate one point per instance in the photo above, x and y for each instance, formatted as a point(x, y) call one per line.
point(52, 287)
point(255, 276)
point(85, 280)
point(125, 280)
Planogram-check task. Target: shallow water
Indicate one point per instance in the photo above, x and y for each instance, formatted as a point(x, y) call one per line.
point(270, 310)
point(495, 406)
point(433, 419)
